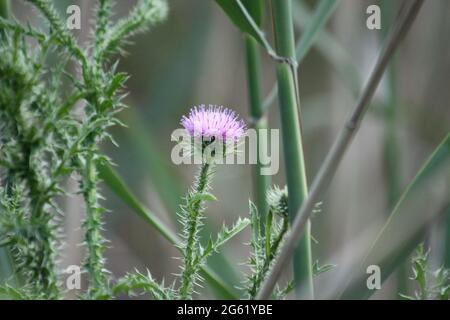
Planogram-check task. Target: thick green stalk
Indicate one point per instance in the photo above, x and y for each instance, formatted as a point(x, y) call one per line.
point(260, 182)
point(4, 8)
point(311, 25)
point(292, 140)
point(38, 263)
point(391, 163)
point(391, 146)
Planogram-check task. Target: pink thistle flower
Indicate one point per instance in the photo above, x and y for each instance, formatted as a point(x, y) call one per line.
point(214, 123)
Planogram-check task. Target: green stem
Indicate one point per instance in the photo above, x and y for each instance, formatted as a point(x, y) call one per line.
point(278, 239)
point(94, 263)
point(193, 221)
point(4, 8)
point(447, 241)
point(292, 141)
point(43, 277)
point(40, 265)
point(40, 261)
point(260, 182)
point(103, 12)
point(391, 145)
point(311, 29)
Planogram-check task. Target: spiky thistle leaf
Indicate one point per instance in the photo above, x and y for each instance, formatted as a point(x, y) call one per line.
point(265, 245)
point(133, 282)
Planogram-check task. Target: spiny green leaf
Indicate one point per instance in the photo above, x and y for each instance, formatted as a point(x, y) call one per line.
point(281, 294)
point(145, 12)
point(138, 281)
point(318, 269)
point(9, 292)
point(255, 221)
point(430, 285)
point(195, 199)
point(226, 234)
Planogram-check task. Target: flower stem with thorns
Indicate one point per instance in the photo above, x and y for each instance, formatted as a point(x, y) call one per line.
point(207, 126)
point(194, 216)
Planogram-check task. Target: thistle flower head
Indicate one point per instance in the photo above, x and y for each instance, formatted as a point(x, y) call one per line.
point(278, 200)
point(214, 123)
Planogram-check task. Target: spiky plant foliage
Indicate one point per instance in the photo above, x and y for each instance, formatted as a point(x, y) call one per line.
point(43, 141)
point(194, 254)
point(36, 137)
point(192, 215)
point(430, 285)
point(30, 242)
point(266, 240)
point(144, 284)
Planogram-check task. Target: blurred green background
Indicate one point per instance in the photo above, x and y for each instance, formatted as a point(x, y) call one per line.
point(197, 57)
